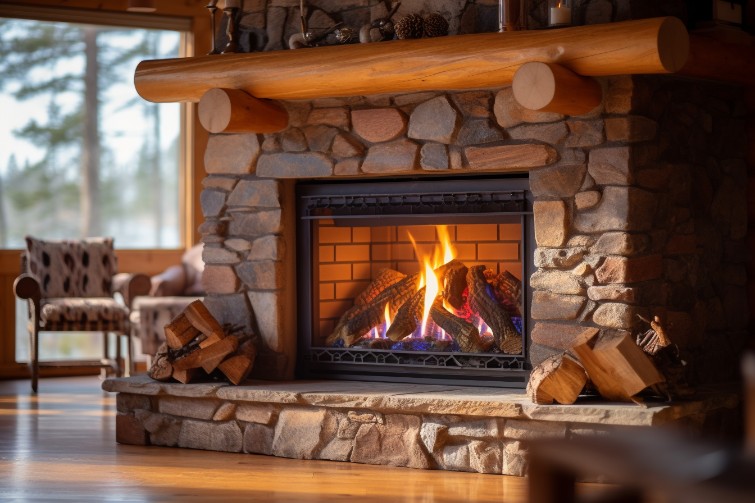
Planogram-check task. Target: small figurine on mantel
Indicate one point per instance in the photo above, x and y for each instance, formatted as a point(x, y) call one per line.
point(307, 38)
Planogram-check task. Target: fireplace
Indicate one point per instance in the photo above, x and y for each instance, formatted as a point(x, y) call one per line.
point(364, 309)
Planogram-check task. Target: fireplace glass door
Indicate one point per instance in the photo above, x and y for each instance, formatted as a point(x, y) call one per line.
point(415, 281)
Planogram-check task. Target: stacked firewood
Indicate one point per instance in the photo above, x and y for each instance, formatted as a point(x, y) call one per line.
point(492, 297)
point(196, 345)
point(619, 368)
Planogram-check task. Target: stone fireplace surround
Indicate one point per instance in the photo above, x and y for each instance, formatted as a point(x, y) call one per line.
point(640, 208)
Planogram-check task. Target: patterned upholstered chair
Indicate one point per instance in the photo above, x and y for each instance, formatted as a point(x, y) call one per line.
point(70, 286)
point(172, 290)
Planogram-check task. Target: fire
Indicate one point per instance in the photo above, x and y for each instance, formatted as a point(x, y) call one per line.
point(387, 318)
point(443, 253)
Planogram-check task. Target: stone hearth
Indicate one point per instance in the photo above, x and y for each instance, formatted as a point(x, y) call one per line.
point(458, 428)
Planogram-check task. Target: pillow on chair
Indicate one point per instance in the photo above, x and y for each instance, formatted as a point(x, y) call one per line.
point(75, 268)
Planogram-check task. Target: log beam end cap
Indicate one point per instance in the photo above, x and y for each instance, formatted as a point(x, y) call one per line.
point(673, 44)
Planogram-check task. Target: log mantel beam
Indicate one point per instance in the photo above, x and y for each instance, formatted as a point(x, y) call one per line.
point(475, 61)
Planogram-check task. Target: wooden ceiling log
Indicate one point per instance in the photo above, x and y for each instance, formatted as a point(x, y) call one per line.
point(658, 45)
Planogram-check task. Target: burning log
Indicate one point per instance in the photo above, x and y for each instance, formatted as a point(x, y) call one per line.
point(507, 339)
point(360, 319)
point(507, 290)
point(454, 283)
point(385, 278)
point(211, 347)
point(464, 333)
point(408, 317)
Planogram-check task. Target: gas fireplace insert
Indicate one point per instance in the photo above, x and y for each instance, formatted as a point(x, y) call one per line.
point(415, 281)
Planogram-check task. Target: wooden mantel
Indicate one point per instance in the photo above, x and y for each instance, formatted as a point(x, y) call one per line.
point(659, 45)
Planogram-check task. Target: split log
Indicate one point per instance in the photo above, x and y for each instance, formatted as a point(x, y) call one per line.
point(408, 317)
point(234, 111)
point(185, 376)
point(666, 356)
point(618, 367)
point(238, 366)
point(464, 333)
point(454, 283)
point(549, 87)
point(559, 378)
point(180, 332)
point(201, 318)
point(208, 358)
point(507, 339)
point(161, 368)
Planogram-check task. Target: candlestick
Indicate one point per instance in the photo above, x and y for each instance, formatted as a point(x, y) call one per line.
point(211, 8)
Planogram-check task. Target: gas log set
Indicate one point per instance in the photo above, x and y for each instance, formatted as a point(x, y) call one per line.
point(449, 308)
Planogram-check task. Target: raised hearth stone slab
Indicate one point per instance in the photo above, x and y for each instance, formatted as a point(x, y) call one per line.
point(416, 425)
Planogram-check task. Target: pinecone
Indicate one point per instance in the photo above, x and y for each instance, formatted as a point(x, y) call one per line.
point(410, 26)
point(435, 26)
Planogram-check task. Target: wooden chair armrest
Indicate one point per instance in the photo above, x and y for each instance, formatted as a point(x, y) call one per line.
point(131, 285)
point(27, 287)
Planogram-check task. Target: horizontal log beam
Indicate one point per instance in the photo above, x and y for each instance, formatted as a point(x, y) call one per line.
point(234, 111)
point(658, 45)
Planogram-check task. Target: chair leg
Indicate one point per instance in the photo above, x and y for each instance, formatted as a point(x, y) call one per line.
point(118, 357)
point(34, 357)
point(131, 367)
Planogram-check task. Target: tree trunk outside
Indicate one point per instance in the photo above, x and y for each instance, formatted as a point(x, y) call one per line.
point(91, 221)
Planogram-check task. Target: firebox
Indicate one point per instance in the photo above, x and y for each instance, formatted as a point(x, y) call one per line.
point(415, 281)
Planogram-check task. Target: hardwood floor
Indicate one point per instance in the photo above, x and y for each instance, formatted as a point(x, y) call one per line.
point(60, 446)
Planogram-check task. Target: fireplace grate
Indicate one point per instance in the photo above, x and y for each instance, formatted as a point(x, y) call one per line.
point(427, 359)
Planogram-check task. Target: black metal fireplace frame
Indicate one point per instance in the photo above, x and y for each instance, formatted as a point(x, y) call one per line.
point(407, 202)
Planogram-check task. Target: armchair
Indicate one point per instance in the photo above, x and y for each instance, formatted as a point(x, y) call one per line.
point(171, 292)
point(69, 286)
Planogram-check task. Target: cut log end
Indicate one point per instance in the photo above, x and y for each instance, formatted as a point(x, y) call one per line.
point(673, 44)
point(234, 111)
point(559, 378)
point(548, 87)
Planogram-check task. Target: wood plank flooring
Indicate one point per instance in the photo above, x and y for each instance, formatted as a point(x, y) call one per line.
point(60, 446)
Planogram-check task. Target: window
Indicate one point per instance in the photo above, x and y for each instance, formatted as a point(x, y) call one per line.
point(83, 154)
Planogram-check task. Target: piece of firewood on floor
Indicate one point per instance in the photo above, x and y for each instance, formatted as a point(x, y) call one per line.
point(161, 368)
point(618, 368)
point(558, 378)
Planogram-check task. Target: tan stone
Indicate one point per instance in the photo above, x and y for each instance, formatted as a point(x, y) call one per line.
point(510, 157)
point(187, 407)
point(556, 335)
point(630, 129)
point(396, 156)
point(130, 431)
point(210, 436)
point(379, 124)
point(615, 315)
point(338, 449)
point(299, 432)
point(267, 248)
point(262, 274)
point(610, 166)
point(395, 443)
point(562, 180)
point(434, 436)
point(551, 306)
point(291, 165)
point(618, 98)
point(557, 282)
point(630, 269)
point(551, 223)
point(509, 113)
point(621, 243)
point(347, 167)
point(613, 292)
point(584, 134)
point(234, 154)
point(337, 117)
point(320, 138)
point(255, 413)
point(514, 459)
point(551, 133)
point(434, 156)
point(267, 311)
point(125, 402)
point(478, 132)
point(219, 279)
point(212, 202)
point(485, 428)
point(530, 430)
point(225, 412)
point(558, 258)
point(586, 200)
point(224, 183)
point(256, 193)
point(346, 146)
point(218, 255)
point(256, 224)
point(474, 103)
point(258, 439)
point(620, 209)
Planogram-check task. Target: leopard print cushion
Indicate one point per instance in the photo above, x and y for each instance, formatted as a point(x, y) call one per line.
point(72, 268)
point(83, 310)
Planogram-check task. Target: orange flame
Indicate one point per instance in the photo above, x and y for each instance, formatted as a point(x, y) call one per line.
point(387, 318)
